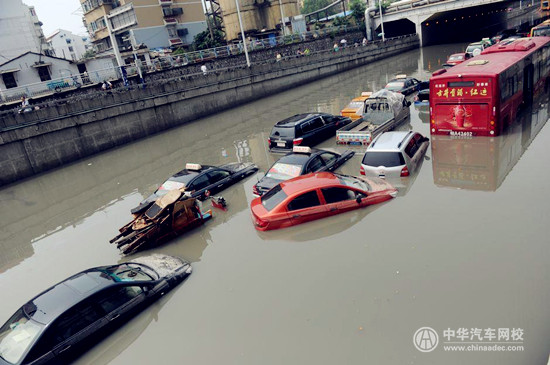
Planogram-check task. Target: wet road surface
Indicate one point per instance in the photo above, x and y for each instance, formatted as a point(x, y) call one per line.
point(464, 245)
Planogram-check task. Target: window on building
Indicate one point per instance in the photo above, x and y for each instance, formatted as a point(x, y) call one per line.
point(71, 49)
point(68, 40)
point(44, 73)
point(9, 80)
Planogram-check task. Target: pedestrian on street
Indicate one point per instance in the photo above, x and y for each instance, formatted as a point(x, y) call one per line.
point(364, 41)
point(204, 69)
point(335, 48)
point(278, 57)
point(106, 85)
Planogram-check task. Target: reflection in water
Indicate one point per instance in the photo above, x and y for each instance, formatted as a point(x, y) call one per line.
point(482, 163)
point(320, 228)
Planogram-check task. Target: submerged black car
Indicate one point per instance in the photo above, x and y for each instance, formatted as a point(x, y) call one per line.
point(60, 323)
point(406, 85)
point(301, 161)
point(198, 179)
point(304, 130)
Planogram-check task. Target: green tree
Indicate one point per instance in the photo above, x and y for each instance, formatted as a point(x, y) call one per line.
point(204, 41)
point(358, 8)
point(313, 5)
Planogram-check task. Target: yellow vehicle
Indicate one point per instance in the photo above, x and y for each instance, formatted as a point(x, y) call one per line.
point(356, 107)
point(543, 29)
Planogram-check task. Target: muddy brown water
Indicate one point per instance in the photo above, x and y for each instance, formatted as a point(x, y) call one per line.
point(464, 245)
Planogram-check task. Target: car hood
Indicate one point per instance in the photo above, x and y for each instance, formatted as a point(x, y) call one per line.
point(376, 184)
point(164, 265)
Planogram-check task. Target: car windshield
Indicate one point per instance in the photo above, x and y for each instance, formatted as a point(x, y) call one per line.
point(355, 105)
point(284, 171)
point(386, 159)
point(283, 132)
point(354, 182)
point(128, 272)
point(470, 49)
point(397, 85)
point(17, 335)
point(273, 198)
point(541, 32)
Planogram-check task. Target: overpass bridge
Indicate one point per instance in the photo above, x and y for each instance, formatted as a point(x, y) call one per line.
point(438, 21)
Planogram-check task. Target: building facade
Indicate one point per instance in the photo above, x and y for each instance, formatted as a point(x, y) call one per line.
point(146, 23)
point(20, 30)
point(67, 45)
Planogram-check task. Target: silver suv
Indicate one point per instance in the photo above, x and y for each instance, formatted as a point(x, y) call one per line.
point(394, 154)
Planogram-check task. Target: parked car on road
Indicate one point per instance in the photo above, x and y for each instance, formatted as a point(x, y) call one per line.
point(301, 161)
point(61, 322)
point(475, 49)
point(457, 58)
point(304, 130)
point(423, 97)
point(405, 85)
point(200, 181)
point(316, 195)
point(394, 154)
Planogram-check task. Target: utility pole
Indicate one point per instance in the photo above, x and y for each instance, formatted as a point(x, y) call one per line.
point(136, 59)
point(282, 17)
point(381, 20)
point(242, 34)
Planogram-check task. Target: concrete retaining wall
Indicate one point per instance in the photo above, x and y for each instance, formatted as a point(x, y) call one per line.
point(42, 140)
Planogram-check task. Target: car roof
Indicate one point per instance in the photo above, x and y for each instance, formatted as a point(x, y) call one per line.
point(296, 158)
point(298, 118)
point(389, 141)
point(475, 44)
point(187, 175)
point(48, 305)
point(310, 181)
point(458, 54)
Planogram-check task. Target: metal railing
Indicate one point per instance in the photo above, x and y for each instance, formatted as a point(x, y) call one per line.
point(77, 81)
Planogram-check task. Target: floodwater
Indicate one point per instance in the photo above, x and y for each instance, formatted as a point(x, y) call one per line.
point(465, 245)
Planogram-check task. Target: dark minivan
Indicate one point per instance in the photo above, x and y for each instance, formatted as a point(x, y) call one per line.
point(304, 130)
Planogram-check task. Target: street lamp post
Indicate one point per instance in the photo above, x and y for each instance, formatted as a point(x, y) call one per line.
point(136, 59)
point(381, 20)
point(282, 17)
point(242, 33)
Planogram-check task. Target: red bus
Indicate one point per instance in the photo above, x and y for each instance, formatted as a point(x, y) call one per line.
point(480, 97)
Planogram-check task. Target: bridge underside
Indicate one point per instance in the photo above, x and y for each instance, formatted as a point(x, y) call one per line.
point(462, 25)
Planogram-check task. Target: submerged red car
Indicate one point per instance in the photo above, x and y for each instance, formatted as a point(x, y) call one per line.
point(316, 195)
point(457, 58)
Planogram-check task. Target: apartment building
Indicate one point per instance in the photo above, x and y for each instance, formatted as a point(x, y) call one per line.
point(20, 30)
point(67, 45)
point(152, 23)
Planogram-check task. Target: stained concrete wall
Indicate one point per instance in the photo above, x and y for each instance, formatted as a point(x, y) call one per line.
point(36, 142)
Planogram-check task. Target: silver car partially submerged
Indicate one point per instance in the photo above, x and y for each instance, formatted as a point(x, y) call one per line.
point(394, 154)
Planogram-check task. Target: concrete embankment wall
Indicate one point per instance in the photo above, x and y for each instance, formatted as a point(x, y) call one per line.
point(35, 142)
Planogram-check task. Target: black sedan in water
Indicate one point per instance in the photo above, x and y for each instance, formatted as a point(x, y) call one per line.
point(60, 323)
point(301, 161)
point(201, 181)
point(406, 85)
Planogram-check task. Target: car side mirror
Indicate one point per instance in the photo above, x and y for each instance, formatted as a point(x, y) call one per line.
point(146, 289)
point(359, 198)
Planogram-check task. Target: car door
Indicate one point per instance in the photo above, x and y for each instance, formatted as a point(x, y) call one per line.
point(306, 207)
point(331, 160)
point(121, 300)
point(199, 185)
point(73, 327)
point(339, 199)
point(219, 179)
point(316, 128)
point(314, 164)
